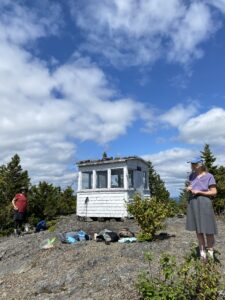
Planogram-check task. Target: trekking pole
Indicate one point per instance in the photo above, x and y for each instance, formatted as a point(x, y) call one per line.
point(86, 203)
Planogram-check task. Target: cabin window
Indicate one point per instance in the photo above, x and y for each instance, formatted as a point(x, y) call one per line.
point(101, 179)
point(145, 180)
point(131, 178)
point(86, 180)
point(117, 178)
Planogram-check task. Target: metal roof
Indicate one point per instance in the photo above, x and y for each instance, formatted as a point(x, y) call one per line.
point(109, 160)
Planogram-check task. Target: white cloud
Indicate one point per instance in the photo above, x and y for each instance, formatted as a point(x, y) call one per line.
point(220, 4)
point(194, 28)
point(135, 32)
point(42, 111)
point(179, 114)
point(209, 127)
point(20, 25)
point(193, 128)
point(172, 167)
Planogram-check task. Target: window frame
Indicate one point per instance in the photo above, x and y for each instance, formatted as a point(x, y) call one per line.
point(120, 178)
point(98, 181)
point(90, 180)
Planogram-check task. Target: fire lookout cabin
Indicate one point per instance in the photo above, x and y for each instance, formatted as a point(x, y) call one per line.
point(106, 185)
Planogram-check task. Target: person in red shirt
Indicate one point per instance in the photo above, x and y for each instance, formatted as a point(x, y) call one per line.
point(19, 203)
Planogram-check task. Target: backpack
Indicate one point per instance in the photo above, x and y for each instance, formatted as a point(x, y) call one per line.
point(41, 226)
point(125, 232)
point(83, 236)
point(107, 236)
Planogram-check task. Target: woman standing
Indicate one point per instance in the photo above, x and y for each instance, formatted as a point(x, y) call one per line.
point(200, 214)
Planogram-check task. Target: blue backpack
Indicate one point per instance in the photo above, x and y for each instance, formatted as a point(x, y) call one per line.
point(41, 226)
point(83, 236)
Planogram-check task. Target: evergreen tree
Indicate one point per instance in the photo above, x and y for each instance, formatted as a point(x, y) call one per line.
point(47, 202)
point(104, 155)
point(12, 178)
point(44, 201)
point(15, 177)
point(156, 185)
point(3, 185)
point(219, 201)
point(219, 174)
point(67, 202)
point(183, 200)
point(209, 159)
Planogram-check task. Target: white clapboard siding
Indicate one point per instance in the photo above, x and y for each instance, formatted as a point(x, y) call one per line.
point(102, 204)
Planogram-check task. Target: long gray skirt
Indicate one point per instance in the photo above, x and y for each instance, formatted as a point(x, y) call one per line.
point(200, 216)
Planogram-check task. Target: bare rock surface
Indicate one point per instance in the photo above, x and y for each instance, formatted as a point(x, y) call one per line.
point(86, 270)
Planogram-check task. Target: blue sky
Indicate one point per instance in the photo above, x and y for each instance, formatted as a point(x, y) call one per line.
point(129, 77)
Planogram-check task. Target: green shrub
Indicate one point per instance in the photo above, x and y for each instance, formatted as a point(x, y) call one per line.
point(51, 225)
point(150, 214)
point(192, 279)
point(173, 208)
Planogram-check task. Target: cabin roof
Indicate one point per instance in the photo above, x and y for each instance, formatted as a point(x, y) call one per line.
point(109, 160)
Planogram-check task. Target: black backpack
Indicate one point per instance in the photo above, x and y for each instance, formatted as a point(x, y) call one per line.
point(107, 236)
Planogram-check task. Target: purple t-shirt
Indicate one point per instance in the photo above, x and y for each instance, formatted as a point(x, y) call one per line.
point(202, 183)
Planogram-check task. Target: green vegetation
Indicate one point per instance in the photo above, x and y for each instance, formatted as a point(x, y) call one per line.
point(156, 185)
point(192, 279)
point(45, 201)
point(150, 214)
point(158, 190)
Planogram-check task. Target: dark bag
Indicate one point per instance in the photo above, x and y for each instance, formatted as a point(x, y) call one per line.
point(113, 236)
point(125, 232)
point(41, 226)
point(107, 236)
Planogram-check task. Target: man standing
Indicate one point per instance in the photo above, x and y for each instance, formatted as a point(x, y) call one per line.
point(19, 203)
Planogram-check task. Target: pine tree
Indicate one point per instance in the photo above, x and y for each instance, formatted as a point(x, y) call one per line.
point(104, 155)
point(12, 178)
point(156, 185)
point(67, 202)
point(209, 159)
point(15, 177)
point(219, 174)
point(219, 201)
point(183, 200)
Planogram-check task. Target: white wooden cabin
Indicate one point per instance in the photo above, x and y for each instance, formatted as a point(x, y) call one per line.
point(104, 186)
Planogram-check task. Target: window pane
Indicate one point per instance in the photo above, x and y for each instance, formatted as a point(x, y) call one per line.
point(101, 179)
point(131, 178)
point(86, 180)
point(117, 178)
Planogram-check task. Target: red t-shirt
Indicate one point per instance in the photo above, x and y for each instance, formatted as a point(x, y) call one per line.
point(21, 202)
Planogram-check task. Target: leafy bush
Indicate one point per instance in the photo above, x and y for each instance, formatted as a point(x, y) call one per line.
point(52, 225)
point(150, 214)
point(192, 279)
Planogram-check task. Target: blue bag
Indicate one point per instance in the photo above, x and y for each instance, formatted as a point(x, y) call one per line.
point(83, 236)
point(41, 226)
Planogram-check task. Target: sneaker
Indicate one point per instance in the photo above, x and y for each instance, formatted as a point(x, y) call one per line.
point(16, 232)
point(203, 254)
point(211, 253)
